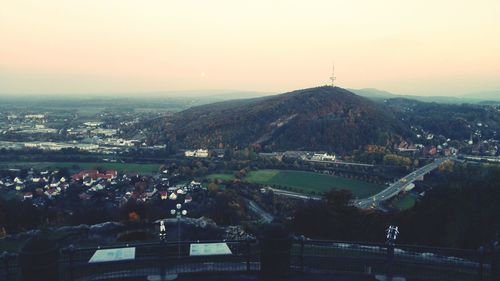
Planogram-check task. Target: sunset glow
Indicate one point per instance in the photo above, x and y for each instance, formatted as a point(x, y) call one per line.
point(408, 47)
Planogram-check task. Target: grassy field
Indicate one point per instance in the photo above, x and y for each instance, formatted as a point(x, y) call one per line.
point(405, 202)
point(306, 182)
point(221, 176)
point(120, 167)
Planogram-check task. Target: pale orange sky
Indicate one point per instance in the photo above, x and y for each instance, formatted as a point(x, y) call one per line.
point(438, 47)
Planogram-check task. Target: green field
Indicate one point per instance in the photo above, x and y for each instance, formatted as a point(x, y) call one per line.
point(120, 167)
point(221, 176)
point(405, 202)
point(306, 182)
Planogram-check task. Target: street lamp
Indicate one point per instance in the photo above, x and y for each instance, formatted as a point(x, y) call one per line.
point(163, 231)
point(392, 234)
point(163, 239)
point(179, 214)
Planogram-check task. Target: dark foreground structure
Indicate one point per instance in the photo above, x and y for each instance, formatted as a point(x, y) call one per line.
point(274, 257)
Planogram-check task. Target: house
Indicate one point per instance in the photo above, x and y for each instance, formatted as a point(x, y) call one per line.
point(94, 174)
point(51, 192)
point(27, 195)
point(163, 195)
point(323, 157)
point(88, 182)
point(202, 153)
point(194, 184)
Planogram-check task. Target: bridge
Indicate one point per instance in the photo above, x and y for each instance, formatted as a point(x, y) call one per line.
point(395, 188)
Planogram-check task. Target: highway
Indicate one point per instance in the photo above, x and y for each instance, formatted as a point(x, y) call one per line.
point(397, 187)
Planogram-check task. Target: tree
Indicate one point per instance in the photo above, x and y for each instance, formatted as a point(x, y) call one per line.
point(213, 187)
point(338, 198)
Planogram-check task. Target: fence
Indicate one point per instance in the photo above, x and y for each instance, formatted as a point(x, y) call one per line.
point(158, 259)
point(423, 263)
point(307, 256)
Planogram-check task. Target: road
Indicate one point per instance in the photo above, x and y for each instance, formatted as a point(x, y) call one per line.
point(264, 216)
point(338, 162)
point(294, 194)
point(395, 188)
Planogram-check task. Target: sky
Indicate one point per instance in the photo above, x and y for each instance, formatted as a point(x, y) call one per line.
point(425, 47)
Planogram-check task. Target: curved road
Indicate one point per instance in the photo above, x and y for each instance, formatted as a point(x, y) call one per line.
point(395, 188)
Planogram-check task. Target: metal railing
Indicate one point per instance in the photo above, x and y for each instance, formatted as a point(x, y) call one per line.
point(160, 259)
point(423, 263)
point(307, 256)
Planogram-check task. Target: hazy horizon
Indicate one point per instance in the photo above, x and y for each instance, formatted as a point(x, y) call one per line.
point(93, 47)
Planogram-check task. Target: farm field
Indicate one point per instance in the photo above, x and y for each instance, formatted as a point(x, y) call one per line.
point(120, 167)
point(306, 182)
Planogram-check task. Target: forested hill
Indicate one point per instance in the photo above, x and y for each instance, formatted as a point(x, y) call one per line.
point(323, 118)
point(454, 121)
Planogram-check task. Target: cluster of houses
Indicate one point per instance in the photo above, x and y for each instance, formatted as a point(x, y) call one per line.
point(180, 192)
point(322, 157)
point(35, 185)
point(40, 187)
point(127, 187)
point(302, 155)
point(91, 136)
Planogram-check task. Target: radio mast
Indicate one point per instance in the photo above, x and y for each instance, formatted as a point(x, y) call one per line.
point(333, 78)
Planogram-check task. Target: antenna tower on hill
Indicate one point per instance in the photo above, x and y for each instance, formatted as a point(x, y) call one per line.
point(333, 78)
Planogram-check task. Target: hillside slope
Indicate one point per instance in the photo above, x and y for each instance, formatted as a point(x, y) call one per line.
point(323, 118)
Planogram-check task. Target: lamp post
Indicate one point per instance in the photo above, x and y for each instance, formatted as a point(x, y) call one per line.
point(179, 214)
point(163, 231)
point(391, 235)
point(163, 239)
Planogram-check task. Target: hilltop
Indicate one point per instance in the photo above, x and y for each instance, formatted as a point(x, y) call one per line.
point(322, 118)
